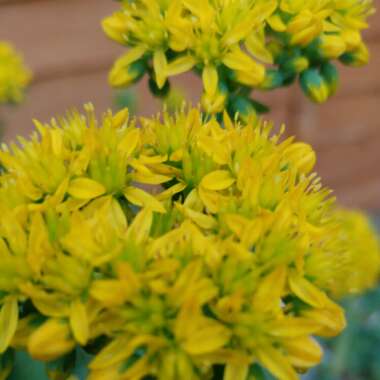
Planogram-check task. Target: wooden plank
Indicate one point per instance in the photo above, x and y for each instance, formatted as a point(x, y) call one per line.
point(349, 164)
point(280, 104)
point(59, 37)
point(342, 121)
point(373, 33)
point(4, 3)
point(351, 171)
point(363, 195)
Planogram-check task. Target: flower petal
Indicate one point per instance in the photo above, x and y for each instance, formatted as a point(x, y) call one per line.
point(304, 352)
point(236, 372)
point(210, 79)
point(276, 363)
point(79, 322)
point(51, 340)
point(217, 180)
point(85, 188)
point(8, 323)
point(143, 199)
point(160, 67)
point(129, 142)
point(180, 65)
point(306, 291)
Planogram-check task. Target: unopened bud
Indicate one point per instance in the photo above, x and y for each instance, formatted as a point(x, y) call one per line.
point(301, 156)
point(357, 58)
point(314, 86)
point(331, 46)
point(331, 75)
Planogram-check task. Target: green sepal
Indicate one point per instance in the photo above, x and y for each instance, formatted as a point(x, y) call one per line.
point(273, 79)
point(331, 75)
point(159, 92)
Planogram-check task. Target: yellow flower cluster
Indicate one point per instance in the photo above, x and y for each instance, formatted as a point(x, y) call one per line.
point(361, 241)
point(237, 45)
point(14, 76)
point(172, 248)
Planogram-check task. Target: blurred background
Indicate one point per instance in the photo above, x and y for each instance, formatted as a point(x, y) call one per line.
point(65, 47)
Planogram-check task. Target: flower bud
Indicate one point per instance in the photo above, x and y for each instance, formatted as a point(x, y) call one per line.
point(314, 86)
point(357, 58)
point(115, 27)
point(273, 79)
point(304, 27)
point(331, 46)
point(215, 103)
point(301, 156)
point(296, 64)
point(125, 75)
point(331, 75)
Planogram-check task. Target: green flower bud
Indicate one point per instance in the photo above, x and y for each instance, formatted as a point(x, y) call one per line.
point(314, 85)
point(296, 64)
point(357, 58)
point(273, 79)
point(331, 75)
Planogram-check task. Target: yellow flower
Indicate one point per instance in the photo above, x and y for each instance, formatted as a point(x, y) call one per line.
point(202, 34)
point(235, 45)
point(14, 76)
point(361, 237)
point(352, 234)
point(170, 245)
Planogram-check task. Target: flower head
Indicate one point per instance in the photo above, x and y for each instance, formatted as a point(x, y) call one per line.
point(14, 76)
point(361, 234)
point(237, 45)
point(172, 246)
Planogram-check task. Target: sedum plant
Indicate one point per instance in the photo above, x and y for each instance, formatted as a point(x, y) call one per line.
point(14, 76)
point(172, 248)
point(239, 45)
point(194, 246)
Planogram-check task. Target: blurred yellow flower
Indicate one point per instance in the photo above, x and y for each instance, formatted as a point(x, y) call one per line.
point(355, 237)
point(14, 76)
